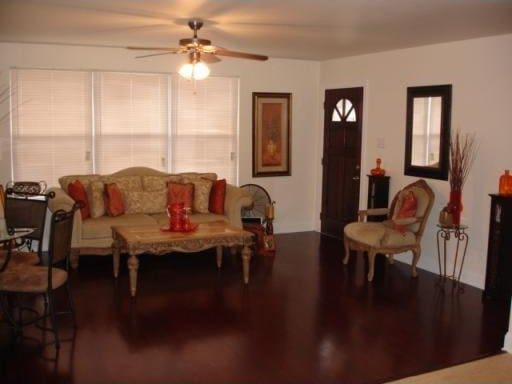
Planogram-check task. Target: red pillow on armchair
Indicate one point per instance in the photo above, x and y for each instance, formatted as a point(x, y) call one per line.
point(408, 206)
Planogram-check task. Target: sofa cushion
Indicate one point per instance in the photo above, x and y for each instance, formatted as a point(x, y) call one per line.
point(158, 183)
point(95, 195)
point(378, 235)
point(145, 201)
point(125, 183)
point(196, 218)
point(197, 175)
point(180, 193)
point(64, 181)
point(202, 188)
point(100, 227)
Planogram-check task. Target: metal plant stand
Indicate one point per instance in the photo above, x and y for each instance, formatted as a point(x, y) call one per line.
point(444, 235)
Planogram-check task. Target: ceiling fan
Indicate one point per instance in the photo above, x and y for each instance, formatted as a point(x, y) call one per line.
point(199, 51)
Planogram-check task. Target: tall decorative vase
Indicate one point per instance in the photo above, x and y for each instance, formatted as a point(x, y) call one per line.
point(455, 206)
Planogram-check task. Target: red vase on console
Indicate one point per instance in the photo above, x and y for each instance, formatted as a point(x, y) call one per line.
point(455, 206)
point(378, 171)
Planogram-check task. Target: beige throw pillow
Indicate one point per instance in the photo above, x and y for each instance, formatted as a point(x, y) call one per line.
point(95, 193)
point(158, 183)
point(145, 201)
point(202, 188)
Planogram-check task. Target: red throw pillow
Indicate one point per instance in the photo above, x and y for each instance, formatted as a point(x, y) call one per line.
point(77, 191)
point(180, 193)
point(113, 200)
point(408, 207)
point(217, 197)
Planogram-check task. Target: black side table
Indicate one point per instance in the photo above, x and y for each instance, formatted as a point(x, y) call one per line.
point(444, 235)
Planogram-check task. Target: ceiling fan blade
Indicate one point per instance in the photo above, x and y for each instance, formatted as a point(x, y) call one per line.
point(242, 55)
point(209, 58)
point(176, 50)
point(155, 54)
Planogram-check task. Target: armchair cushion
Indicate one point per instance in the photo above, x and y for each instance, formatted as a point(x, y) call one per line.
point(378, 235)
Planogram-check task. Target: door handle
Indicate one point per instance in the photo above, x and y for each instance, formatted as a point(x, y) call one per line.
point(357, 169)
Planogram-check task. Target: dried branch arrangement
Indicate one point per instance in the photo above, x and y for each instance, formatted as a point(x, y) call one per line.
point(463, 150)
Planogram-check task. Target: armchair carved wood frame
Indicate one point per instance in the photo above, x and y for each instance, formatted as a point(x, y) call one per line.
point(382, 237)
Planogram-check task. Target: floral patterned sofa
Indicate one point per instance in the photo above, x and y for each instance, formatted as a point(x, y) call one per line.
point(144, 193)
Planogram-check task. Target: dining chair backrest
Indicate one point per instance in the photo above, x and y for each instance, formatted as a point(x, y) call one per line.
point(27, 210)
point(61, 228)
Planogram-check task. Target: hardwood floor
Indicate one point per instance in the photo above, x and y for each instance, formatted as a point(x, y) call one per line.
point(303, 318)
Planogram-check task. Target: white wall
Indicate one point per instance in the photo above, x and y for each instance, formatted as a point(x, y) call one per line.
point(481, 73)
point(294, 194)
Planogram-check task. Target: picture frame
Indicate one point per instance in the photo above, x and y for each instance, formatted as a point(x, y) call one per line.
point(271, 134)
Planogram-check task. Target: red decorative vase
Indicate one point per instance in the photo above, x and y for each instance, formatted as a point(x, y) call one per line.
point(378, 171)
point(176, 213)
point(455, 206)
point(506, 183)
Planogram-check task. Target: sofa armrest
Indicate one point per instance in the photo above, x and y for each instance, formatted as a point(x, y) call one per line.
point(63, 201)
point(235, 200)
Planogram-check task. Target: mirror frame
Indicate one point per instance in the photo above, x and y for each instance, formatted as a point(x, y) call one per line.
point(445, 92)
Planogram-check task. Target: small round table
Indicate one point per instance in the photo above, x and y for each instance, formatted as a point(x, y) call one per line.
point(444, 235)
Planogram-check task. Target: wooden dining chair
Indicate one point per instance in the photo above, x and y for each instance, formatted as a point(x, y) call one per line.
point(42, 280)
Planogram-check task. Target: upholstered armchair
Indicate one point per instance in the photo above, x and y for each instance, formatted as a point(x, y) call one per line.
point(401, 232)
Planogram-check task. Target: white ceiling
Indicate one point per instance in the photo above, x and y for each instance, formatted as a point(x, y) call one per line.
point(301, 29)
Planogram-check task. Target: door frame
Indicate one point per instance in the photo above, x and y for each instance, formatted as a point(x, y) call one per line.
point(363, 182)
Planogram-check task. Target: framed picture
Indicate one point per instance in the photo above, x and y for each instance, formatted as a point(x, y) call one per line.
point(271, 125)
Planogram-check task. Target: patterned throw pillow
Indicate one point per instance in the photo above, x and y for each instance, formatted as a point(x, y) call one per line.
point(158, 183)
point(64, 181)
point(95, 192)
point(180, 193)
point(125, 183)
point(145, 201)
point(202, 188)
point(77, 191)
point(217, 197)
point(113, 200)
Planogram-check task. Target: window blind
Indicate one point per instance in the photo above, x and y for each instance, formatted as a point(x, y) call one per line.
point(131, 121)
point(79, 122)
point(51, 124)
point(205, 126)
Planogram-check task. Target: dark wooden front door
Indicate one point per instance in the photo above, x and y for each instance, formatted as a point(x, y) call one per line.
point(343, 113)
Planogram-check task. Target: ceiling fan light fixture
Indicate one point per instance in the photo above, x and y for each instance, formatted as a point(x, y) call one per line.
point(196, 71)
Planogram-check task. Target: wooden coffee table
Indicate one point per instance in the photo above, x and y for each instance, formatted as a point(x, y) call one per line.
point(150, 239)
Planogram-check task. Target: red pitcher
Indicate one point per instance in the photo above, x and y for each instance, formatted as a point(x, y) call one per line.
point(175, 211)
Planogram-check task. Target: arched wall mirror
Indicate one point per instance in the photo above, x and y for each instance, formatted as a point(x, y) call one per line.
point(427, 138)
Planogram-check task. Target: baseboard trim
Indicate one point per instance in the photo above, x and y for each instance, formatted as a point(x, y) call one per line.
point(507, 345)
